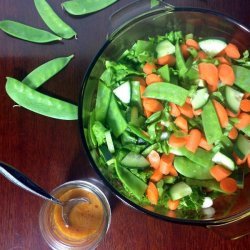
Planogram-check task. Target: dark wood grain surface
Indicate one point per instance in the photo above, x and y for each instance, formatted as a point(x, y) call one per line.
point(50, 151)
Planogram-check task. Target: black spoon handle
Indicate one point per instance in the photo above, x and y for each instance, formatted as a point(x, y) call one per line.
point(19, 179)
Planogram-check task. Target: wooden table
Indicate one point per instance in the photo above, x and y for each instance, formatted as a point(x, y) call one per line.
point(50, 151)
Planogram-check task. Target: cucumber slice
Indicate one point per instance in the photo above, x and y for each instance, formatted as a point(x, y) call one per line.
point(200, 98)
point(123, 92)
point(133, 160)
point(243, 145)
point(107, 156)
point(164, 48)
point(223, 160)
point(179, 190)
point(109, 142)
point(233, 99)
point(212, 46)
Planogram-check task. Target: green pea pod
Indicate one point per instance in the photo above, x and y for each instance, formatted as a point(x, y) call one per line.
point(27, 33)
point(135, 185)
point(167, 92)
point(79, 7)
point(38, 102)
point(53, 21)
point(191, 169)
point(44, 72)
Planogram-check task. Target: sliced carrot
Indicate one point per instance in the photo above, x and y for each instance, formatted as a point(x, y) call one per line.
point(233, 133)
point(226, 74)
point(193, 140)
point(165, 163)
point(223, 60)
point(209, 73)
point(244, 121)
point(186, 110)
point(231, 114)
point(152, 193)
point(149, 68)
point(152, 105)
point(154, 159)
point(204, 144)
point(181, 122)
point(147, 113)
point(177, 142)
point(248, 161)
point(212, 88)
point(197, 112)
point(173, 171)
point(238, 160)
point(232, 51)
point(228, 185)
point(168, 59)
point(219, 172)
point(140, 79)
point(184, 50)
point(152, 78)
point(245, 105)
point(174, 111)
point(142, 89)
point(221, 53)
point(192, 43)
point(171, 213)
point(156, 176)
point(173, 205)
point(246, 96)
point(201, 55)
point(221, 113)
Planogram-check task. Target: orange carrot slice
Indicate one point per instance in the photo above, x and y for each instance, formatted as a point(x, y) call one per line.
point(186, 110)
point(244, 121)
point(228, 185)
point(174, 111)
point(173, 204)
point(142, 89)
point(168, 59)
point(248, 161)
point(222, 60)
point(238, 160)
point(232, 51)
point(226, 74)
point(153, 78)
point(182, 123)
point(192, 43)
point(197, 112)
point(201, 55)
point(154, 159)
point(245, 105)
point(209, 73)
point(165, 163)
point(233, 133)
point(152, 105)
point(204, 144)
point(219, 172)
point(156, 176)
point(149, 68)
point(173, 171)
point(231, 114)
point(152, 193)
point(193, 140)
point(221, 113)
point(184, 51)
point(147, 113)
point(177, 142)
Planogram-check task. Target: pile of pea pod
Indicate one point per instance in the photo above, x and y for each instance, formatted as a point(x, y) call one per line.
point(24, 92)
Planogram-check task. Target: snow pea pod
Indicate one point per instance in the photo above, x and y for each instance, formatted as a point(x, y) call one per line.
point(190, 169)
point(53, 21)
point(27, 33)
point(79, 7)
point(44, 72)
point(167, 92)
point(180, 62)
point(38, 102)
point(211, 123)
point(135, 185)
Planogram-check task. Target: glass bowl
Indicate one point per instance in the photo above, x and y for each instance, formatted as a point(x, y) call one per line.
point(202, 23)
point(58, 235)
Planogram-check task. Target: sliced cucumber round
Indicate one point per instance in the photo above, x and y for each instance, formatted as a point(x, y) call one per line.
point(180, 190)
point(164, 48)
point(200, 98)
point(233, 99)
point(243, 146)
point(212, 46)
point(134, 160)
point(123, 92)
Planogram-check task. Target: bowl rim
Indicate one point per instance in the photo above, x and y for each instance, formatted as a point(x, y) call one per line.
point(209, 222)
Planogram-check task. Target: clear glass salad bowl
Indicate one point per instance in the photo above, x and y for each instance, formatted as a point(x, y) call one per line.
point(230, 210)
